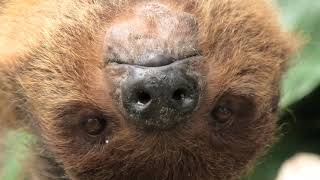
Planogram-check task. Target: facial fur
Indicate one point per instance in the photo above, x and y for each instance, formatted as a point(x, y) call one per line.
point(64, 62)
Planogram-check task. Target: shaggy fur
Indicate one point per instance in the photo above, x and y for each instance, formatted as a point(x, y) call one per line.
point(52, 71)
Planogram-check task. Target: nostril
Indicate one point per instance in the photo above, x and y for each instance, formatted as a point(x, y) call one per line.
point(179, 94)
point(184, 99)
point(143, 98)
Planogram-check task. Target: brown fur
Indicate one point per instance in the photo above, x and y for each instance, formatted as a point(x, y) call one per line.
point(51, 63)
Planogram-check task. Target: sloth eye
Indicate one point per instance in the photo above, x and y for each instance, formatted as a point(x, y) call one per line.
point(232, 108)
point(94, 126)
point(221, 114)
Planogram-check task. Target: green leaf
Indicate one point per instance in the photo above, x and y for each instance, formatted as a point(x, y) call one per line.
point(302, 16)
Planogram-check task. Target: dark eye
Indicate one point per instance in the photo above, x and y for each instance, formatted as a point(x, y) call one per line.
point(94, 126)
point(221, 114)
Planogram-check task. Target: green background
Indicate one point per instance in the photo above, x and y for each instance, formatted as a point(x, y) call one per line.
point(300, 117)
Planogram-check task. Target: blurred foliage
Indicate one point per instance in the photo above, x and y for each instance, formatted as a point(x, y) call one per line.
point(300, 99)
point(13, 156)
point(300, 120)
point(302, 16)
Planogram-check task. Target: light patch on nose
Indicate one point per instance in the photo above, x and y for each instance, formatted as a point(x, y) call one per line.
point(154, 29)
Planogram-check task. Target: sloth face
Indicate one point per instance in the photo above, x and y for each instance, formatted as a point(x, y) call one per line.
point(156, 90)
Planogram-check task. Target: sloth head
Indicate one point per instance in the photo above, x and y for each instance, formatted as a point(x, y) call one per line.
point(156, 90)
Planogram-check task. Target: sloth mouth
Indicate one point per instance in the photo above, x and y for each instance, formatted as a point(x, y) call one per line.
point(157, 60)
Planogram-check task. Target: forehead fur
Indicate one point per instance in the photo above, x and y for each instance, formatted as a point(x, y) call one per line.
point(221, 23)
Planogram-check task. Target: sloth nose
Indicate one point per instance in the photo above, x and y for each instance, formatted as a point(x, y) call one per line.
point(160, 97)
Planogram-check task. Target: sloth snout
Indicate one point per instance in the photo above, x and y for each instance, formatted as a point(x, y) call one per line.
point(159, 97)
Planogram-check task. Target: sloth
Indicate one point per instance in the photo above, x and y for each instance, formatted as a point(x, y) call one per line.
point(142, 90)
